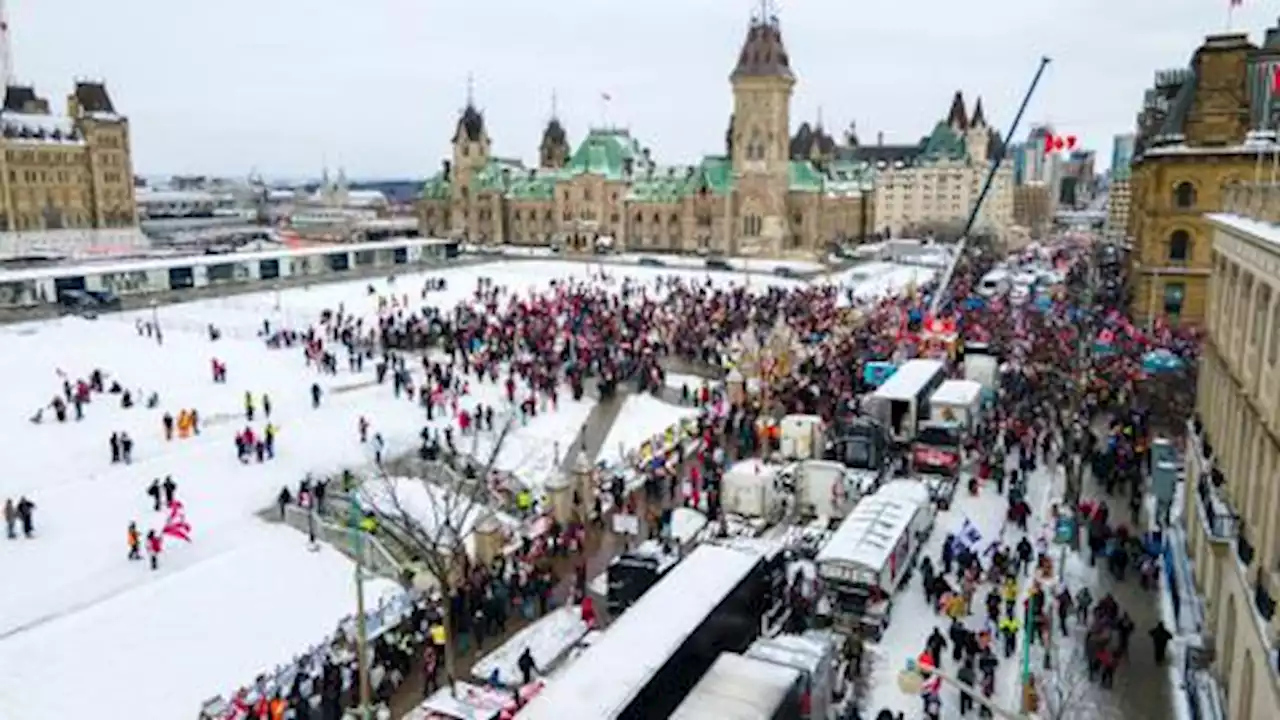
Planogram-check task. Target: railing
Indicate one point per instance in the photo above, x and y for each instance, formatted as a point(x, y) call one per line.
point(1260, 201)
point(1244, 548)
point(1262, 599)
point(1220, 522)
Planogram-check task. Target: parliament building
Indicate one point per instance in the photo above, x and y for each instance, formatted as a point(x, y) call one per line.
point(768, 194)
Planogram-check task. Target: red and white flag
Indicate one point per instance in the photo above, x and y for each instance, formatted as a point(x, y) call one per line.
point(606, 97)
point(177, 525)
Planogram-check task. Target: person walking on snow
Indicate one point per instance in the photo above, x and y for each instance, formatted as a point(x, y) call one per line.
point(248, 406)
point(266, 406)
point(315, 395)
point(10, 518)
point(154, 491)
point(153, 548)
point(25, 510)
point(135, 542)
point(169, 487)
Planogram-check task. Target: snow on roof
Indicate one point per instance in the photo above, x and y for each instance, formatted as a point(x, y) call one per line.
point(145, 195)
point(957, 392)
point(605, 679)
point(738, 688)
point(547, 640)
point(1264, 232)
point(61, 271)
point(686, 523)
point(869, 534)
point(909, 379)
point(46, 124)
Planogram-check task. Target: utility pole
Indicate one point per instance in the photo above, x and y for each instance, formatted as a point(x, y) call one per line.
point(362, 626)
point(936, 302)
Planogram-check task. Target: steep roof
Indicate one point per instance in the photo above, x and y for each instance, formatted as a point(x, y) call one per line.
point(944, 143)
point(93, 97)
point(956, 116)
point(978, 119)
point(606, 152)
point(876, 154)
point(763, 53)
point(18, 97)
point(470, 125)
point(554, 134)
point(808, 139)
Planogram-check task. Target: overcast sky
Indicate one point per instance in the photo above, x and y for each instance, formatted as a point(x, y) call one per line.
point(282, 86)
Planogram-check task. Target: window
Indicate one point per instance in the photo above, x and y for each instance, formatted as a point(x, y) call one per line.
point(586, 194)
point(752, 225)
point(1261, 305)
point(1184, 196)
point(1179, 246)
point(1174, 294)
point(1273, 345)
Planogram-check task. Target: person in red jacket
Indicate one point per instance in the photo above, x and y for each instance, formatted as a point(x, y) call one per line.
point(153, 548)
point(589, 612)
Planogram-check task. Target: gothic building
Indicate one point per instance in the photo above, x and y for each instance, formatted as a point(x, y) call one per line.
point(760, 197)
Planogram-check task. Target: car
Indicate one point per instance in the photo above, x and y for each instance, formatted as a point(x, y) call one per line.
point(106, 299)
point(78, 302)
point(785, 272)
point(650, 262)
point(718, 264)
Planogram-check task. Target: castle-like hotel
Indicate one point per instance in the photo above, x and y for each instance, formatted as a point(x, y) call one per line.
point(770, 193)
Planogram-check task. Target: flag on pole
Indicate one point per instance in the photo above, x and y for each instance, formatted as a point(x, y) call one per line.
point(606, 97)
point(1236, 3)
point(177, 526)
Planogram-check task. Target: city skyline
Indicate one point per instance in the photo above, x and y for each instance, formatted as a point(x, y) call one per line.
point(293, 86)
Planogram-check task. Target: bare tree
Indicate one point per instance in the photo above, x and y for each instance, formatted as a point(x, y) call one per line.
point(436, 532)
point(1067, 692)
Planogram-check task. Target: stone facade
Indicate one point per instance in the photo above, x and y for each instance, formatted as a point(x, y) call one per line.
point(931, 186)
point(759, 197)
point(1232, 511)
point(1199, 134)
point(72, 171)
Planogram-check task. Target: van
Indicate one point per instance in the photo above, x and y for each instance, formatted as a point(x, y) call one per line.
point(993, 284)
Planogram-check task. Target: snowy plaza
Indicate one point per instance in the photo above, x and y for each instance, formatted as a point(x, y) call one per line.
point(244, 595)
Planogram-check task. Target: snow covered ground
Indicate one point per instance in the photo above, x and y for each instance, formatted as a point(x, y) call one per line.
point(912, 619)
point(243, 596)
point(880, 279)
point(548, 641)
point(642, 417)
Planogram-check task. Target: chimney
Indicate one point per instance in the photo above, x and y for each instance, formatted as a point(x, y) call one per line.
point(880, 138)
point(628, 165)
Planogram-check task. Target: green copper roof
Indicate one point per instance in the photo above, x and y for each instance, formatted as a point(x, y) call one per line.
point(605, 152)
point(803, 176)
point(944, 144)
point(665, 184)
point(496, 175)
point(436, 188)
point(717, 173)
point(540, 186)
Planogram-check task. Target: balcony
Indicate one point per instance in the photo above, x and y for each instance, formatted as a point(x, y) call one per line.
point(1244, 548)
point(1220, 521)
point(1259, 201)
point(1262, 600)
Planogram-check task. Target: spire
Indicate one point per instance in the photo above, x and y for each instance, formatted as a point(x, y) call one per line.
point(978, 120)
point(763, 53)
point(819, 117)
point(956, 117)
point(471, 90)
point(555, 106)
point(470, 121)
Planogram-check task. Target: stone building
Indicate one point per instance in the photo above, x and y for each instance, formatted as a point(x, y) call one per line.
point(1201, 130)
point(932, 185)
point(767, 194)
point(1232, 502)
point(71, 171)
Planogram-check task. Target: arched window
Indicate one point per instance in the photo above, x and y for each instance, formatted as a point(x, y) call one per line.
point(1180, 246)
point(1184, 196)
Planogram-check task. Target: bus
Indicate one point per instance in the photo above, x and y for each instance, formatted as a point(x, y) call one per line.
point(744, 687)
point(644, 664)
point(902, 402)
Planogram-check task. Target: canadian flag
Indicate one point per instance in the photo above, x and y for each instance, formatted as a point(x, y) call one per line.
point(1058, 143)
point(177, 525)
